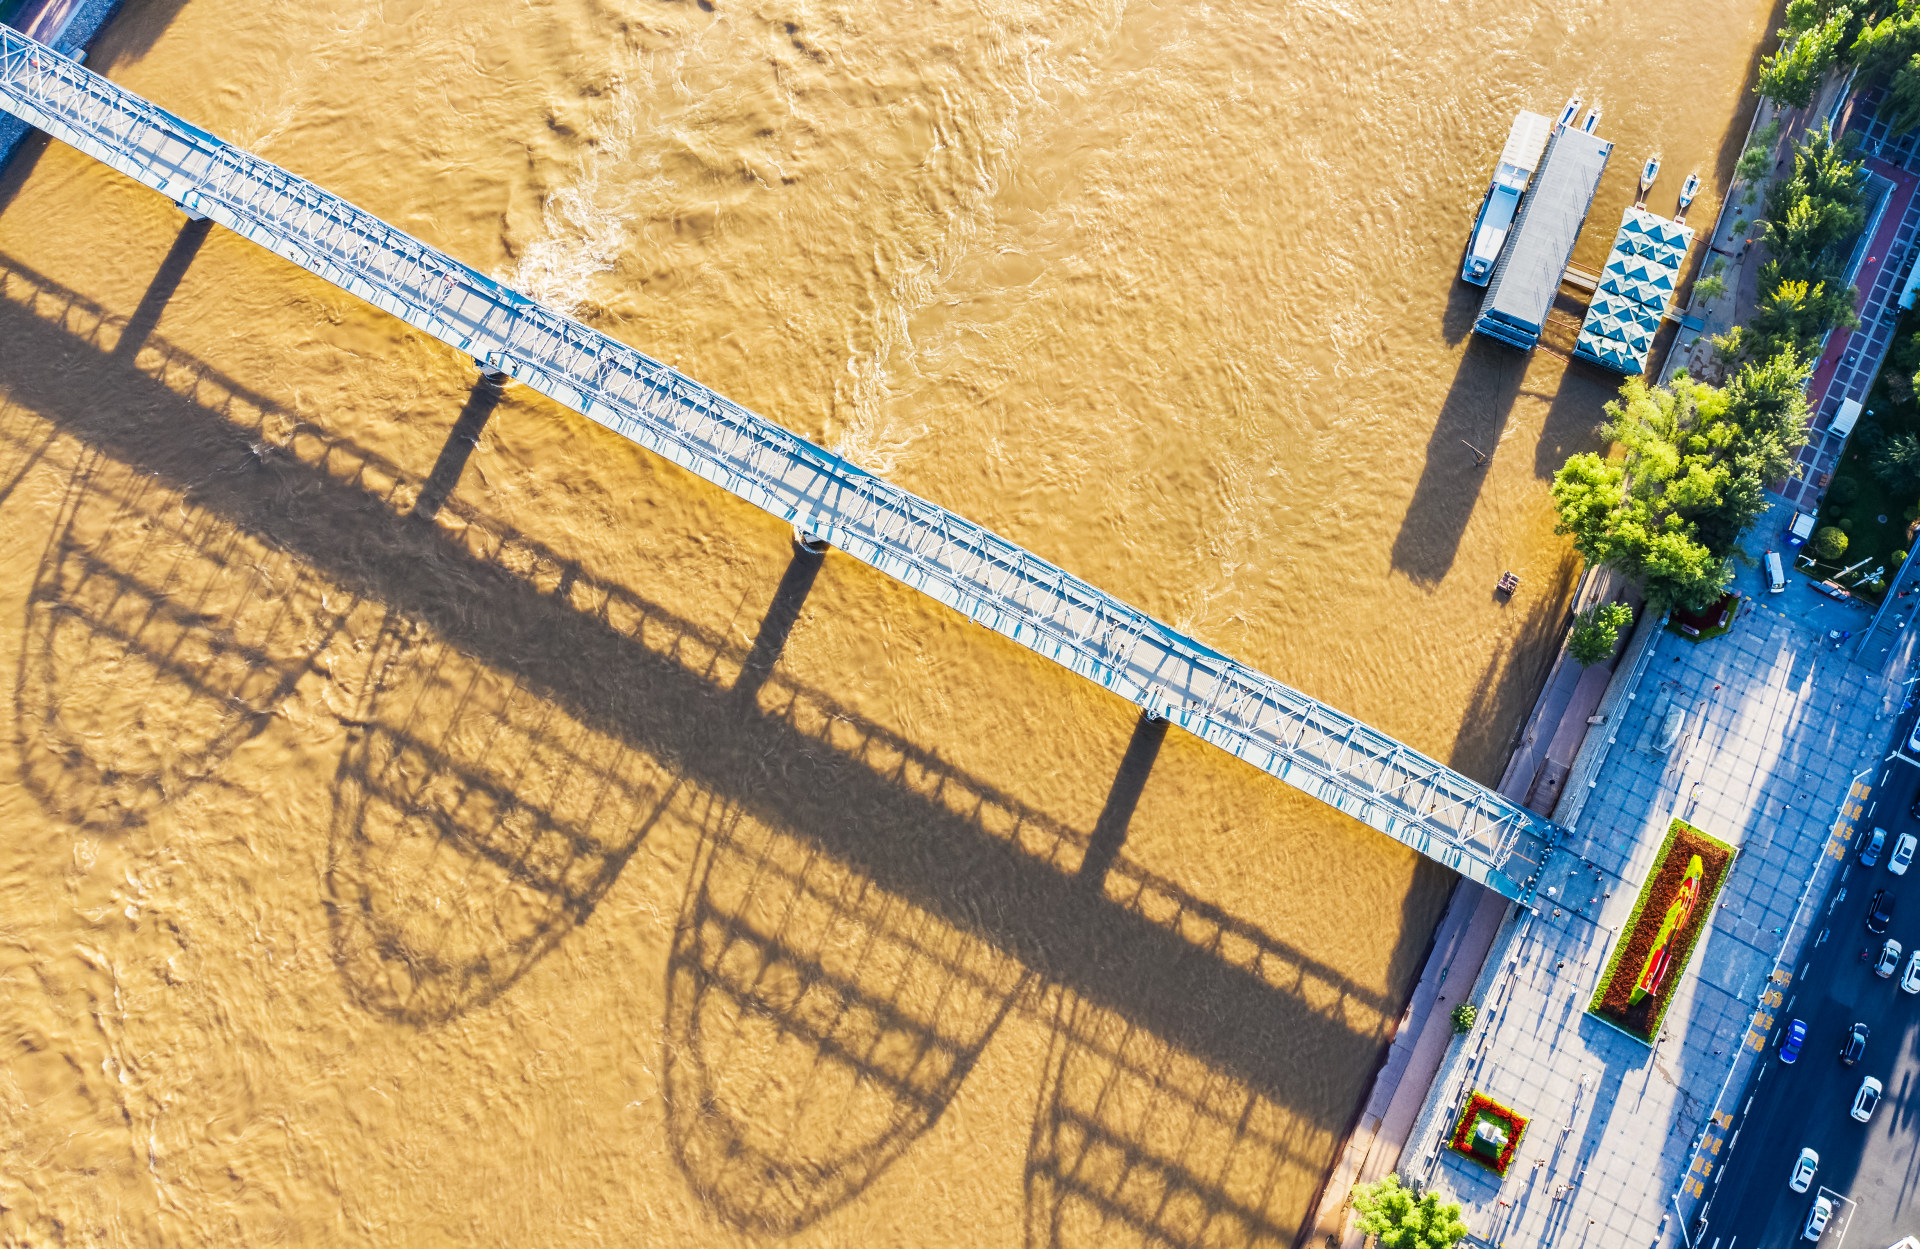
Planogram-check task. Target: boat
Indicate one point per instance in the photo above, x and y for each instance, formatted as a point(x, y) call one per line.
point(1648, 172)
point(1592, 120)
point(1690, 189)
point(1518, 159)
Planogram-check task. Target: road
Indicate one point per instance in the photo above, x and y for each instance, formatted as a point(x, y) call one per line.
point(1872, 1170)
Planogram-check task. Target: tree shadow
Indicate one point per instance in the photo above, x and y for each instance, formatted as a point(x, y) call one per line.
point(1573, 418)
point(132, 33)
point(1474, 413)
point(863, 913)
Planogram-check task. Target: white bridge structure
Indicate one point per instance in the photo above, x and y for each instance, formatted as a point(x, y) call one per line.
point(1305, 743)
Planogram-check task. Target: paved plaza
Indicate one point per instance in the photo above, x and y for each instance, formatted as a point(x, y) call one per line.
point(1779, 727)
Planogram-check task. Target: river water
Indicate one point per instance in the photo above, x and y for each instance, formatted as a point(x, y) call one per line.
point(434, 821)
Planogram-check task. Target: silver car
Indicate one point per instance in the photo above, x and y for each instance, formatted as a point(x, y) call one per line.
point(1903, 854)
point(1866, 1099)
point(1803, 1169)
point(1817, 1218)
point(1889, 961)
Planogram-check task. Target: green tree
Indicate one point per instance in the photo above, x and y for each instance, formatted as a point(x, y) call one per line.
point(1596, 631)
point(1888, 54)
point(1463, 1017)
point(1695, 464)
point(1815, 38)
point(1896, 461)
point(1828, 543)
point(1401, 1220)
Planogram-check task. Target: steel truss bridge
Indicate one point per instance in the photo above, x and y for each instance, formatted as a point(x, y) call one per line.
point(1302, 741)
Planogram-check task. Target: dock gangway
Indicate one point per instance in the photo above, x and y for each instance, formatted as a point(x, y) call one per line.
point(1300, 740)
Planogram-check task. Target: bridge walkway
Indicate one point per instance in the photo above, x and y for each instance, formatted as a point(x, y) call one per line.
point(1300, 740)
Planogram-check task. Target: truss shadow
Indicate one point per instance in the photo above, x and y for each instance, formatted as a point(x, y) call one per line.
point(158, 639)
point(475, 825)
point(1139, 1142)
point(816, 1025)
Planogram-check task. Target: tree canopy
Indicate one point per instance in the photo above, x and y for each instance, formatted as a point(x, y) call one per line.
point(1402, 1221)
point(1695, 461)
point(1812, 218)
point(1596, 631)
point(1878, 38)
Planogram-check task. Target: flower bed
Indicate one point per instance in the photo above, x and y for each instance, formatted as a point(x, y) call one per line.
point(1674, 908)
point(1492, 1149)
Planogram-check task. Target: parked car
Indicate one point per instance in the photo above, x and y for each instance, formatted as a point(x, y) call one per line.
point(1817, 1219)
point(1889, 961)
point(1913, 739)
point(1903, 854)
point(1796, 1036)
point(1866, 1099)
point(1880, 914)
point(1910, 979)
point(1803, 1169)
point(1870, 853)
point(1855, 1044)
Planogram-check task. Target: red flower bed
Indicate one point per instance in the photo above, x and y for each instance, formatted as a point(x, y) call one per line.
point(1481, 1108)
point(1613, 1000)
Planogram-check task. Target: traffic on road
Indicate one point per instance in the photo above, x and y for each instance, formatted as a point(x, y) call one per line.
point(1827, 1143)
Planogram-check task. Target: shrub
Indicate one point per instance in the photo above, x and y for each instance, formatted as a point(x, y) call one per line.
point(1828, 543)
point(1739, 225)
point(1843, 491)
point(1899, 558)
point(1463, 1017)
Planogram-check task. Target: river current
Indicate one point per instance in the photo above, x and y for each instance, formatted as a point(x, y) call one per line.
point(432, 820)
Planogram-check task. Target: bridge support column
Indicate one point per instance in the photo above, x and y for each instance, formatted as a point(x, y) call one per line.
point(192, 215)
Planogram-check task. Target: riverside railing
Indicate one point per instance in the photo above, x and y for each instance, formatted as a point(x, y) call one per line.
point(1302, 741)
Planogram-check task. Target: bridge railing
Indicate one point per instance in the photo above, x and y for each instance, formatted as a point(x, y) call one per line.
point(1309, 745)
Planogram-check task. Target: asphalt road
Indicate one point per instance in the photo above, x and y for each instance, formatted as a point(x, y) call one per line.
point(1872, 1170)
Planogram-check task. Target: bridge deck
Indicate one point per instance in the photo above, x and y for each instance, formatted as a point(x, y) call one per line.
point(1298, 739)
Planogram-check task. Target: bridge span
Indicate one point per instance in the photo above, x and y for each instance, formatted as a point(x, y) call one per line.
point(1302, 741)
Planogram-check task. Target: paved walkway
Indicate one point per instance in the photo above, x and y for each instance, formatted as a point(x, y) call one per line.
point(1778, 726)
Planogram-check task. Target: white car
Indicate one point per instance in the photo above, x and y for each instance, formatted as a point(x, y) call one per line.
point(1910, 979)
point(1903, 854)
point(1889, 961)
point(1866, 1099)
point(1817, 1218)
point(1803, 1170)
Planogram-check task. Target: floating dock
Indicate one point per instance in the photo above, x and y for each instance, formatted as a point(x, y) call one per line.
point(1636, 286)
point(1528, 275)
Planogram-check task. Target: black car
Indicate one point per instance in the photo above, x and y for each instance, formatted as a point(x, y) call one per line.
point(1856, 1044)
point(1916, 808)
point(1880, 914)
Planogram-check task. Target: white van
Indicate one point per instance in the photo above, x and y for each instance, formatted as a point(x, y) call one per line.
point(1776, 575)
point(1843, 419)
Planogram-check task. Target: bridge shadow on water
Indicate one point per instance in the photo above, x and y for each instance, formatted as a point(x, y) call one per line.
point(861, 917)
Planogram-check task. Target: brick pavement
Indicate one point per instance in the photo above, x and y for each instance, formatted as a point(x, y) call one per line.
point(1778, 726)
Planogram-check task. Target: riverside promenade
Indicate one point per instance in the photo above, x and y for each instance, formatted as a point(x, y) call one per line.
point(1781, 733)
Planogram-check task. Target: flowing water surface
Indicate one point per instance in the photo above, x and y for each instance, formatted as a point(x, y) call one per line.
point(431, 820)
